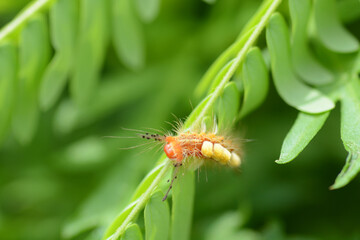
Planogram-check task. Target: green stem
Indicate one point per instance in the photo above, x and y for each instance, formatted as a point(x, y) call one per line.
point(238, 60)
point(142, 201)
point(22, 18)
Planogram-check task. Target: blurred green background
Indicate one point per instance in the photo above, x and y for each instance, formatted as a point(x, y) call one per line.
point(69, 182)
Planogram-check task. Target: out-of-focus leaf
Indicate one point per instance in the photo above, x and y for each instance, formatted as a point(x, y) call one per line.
point(182, 206)
point(127, 34)
point(112, 93)
point(33, 57)
point(157, 218)
point(348, 10)
point(106, 202)
point(227, 106)
point(54, 81)
point(132, 233)
point(305, 64)
point(289, 87)
point(82, 155)
point(63, 19)
point(148, 9)
point(90, 50)
point(8, 78)
point(301, 133)
point(256, 81)
point(226, 227)
point(350, 132)
point(330, 30)
point(210, 1)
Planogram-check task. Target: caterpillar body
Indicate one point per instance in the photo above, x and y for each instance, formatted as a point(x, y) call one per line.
point(199, 146)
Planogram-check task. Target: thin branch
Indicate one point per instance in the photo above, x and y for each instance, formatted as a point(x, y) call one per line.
point(239, 59)
point(22, 18)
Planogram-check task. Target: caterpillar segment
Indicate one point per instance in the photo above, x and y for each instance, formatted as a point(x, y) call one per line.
point(221, 154)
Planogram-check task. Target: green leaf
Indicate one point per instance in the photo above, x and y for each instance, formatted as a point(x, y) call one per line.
point(54, 81)
point(8, 79)
point(301, 133)
point(63, 16)
point(182, 206)
point(330, 30)
point(127, 35)
point(228, 106)
point(305, 64)
point(148, 9)
point(33, 57)
point(256, 81)
point(157, 218)
point(350, 132)
point(90, 51)
point(132, 233)
point(289, 87)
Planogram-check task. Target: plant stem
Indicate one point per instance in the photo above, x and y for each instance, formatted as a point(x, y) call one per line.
point(22, 18)
point(239, 59)
point(142, 201)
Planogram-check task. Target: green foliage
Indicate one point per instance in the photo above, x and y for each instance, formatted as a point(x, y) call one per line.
point(58, 103)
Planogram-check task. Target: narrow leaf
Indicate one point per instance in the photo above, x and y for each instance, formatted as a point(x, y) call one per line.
point(182, 206)
point(91, 46)
point(301, 133)
point(8, 78)
point(148, 9)
point(228, 106)
point(54, 80)
point(34, 54)
point(256, 81)
point(132, 233)
point(289, 87)
point(305, 64)
point(157, 218)
point(350, 133)
point(63, 19)
point(127, 35)
point(330, 30)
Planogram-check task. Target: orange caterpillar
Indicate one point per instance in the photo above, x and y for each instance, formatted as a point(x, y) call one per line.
point(198, 145)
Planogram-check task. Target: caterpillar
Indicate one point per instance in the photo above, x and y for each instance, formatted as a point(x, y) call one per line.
point(200, 145)
point(197, 146)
